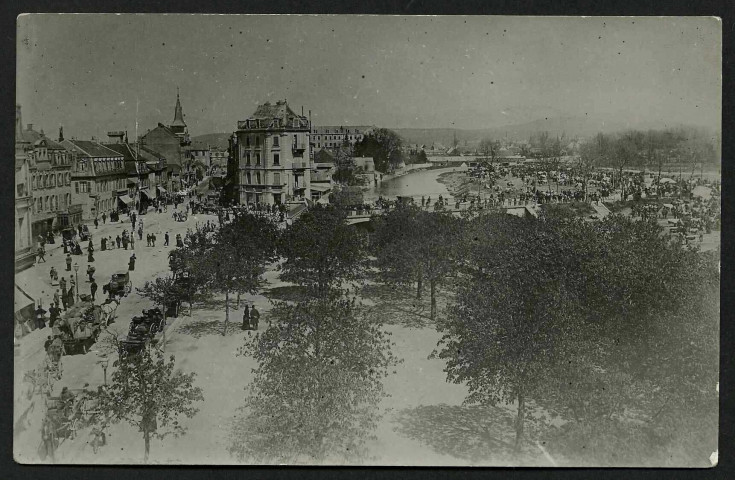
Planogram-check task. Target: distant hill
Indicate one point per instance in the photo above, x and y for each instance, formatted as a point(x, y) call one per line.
point(570, 126)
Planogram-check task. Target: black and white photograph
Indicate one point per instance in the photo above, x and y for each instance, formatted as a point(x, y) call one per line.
point(367, 240)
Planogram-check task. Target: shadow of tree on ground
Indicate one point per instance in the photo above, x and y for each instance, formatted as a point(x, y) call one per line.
point(398, 305)
point(201, 328)
point(287, 293)
point(473, 433)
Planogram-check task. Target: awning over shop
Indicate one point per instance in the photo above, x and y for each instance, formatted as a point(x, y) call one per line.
point(21, 300)
point(320, 188)
point(125, 199)
point(161, 189)
point(147, 195)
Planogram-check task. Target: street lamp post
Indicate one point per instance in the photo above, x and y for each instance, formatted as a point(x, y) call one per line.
point(76, 274)
point(104, 361)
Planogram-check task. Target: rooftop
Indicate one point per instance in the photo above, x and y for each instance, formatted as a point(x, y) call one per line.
point(90, 149)
point(278, 115)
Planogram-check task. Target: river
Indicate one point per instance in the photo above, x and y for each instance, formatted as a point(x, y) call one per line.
point(415, 184)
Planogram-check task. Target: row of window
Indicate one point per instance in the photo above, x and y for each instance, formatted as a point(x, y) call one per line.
point(337, 137)
point(275, 141)
point(248, 178)
point(109, 185)
point(50, 180)
point(101, 164)
point(50, 203)
point(57, 158)
point(256, 158)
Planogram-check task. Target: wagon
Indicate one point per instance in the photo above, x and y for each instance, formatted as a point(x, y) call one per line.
point(81, 327)
point(143, 331)
point(119, 285)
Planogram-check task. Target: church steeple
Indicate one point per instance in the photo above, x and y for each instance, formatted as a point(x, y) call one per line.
point(178, 122)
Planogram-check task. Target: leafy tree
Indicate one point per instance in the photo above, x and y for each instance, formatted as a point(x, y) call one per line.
point(489, 149)
point(317, 386)
point(148, 393)
point(384, 145)
point(320, 251)
point(413, 245)
point(237, 257)
point(516, 320)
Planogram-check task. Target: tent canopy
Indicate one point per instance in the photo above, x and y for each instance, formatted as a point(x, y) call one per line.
point(125, 199)
point(21, 300)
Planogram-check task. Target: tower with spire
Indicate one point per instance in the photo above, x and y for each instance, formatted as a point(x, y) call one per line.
point(178, 126)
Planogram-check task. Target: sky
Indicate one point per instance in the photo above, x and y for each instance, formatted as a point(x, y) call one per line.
point(93, 73)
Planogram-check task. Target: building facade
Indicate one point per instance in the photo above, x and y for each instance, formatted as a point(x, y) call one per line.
point(172, 142)
point(274, 156)
point(99, 179)
point(334, 136)
point(49, 167)
point(24, 253)
point(140, 187)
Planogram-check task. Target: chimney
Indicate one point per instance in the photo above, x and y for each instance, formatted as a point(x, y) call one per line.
point(30, 126)
point(61, 133)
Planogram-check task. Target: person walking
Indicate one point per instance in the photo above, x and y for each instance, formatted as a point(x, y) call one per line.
point(118, 241)
point(41, 255)
point(165, 239)
point(57, 298)
point(90, 251)
point(96, 224)
point(254, 317)
point(125, 242)
point(131, 263)
point(93, 289)
point(148, 240)
point(70, 295)
point(54, 313)
point(132, 242)
point(90, 273)
point(104, 218)
point(153, 239)
point(246, 318)
point(140, 233)
point(53, 274)
point(40, 319)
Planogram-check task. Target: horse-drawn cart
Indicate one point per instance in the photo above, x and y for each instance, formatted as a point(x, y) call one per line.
point(119, 285)
point(80, 328)
point(144, 330)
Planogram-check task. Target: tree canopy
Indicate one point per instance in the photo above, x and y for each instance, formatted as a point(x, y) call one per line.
point(317, 385)
point(384, 146)
point(148, 393)
point(320, 250)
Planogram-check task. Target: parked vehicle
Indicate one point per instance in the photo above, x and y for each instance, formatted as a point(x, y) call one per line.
point(119, 285)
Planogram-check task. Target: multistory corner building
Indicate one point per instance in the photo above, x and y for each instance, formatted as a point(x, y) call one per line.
point(171, 141)
point(274, 156)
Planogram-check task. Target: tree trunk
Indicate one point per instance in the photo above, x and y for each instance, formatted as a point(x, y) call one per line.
point(432, 284)
point(419, 287)
point(238, 301)
point(147, 437)
point(163, 327)
point(520, 420)
point(227, 311)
